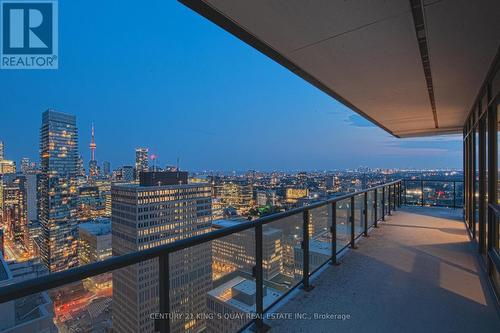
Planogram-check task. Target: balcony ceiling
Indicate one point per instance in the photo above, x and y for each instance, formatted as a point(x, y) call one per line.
point(365, 53)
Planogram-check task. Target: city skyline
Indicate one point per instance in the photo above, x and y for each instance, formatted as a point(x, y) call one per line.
point(234, 110)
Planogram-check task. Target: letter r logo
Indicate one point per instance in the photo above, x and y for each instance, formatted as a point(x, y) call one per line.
point(27, 27)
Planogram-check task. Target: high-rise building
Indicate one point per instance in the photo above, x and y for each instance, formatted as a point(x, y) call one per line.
point(106, 169)
point(1, 150)
point(58, 193)
point(141, 161)
point(162, 208)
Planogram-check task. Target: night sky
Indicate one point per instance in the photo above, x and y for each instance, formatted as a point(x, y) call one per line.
point(156, 74)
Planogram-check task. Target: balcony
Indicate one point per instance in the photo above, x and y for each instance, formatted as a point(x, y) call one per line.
point(364, 255)
point(418, 272)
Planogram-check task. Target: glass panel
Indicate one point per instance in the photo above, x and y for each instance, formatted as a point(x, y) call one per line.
point(476, 181)
point(320, 242)
point(370, 208)
point(231, 300)
point(459, 199)
point(379, 204)
point(359, 216)
point(413, 192)
point(485, 184)
point(438, 193)
point(283, 239)
point(343, 223)
point(386, 197)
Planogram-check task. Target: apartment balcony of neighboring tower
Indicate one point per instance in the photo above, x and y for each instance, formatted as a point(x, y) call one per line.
point(410, 255)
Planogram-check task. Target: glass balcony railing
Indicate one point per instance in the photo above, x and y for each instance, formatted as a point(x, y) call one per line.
point(220, 281)
point(440, 193)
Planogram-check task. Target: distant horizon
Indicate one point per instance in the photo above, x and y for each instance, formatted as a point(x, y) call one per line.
point(187, 89)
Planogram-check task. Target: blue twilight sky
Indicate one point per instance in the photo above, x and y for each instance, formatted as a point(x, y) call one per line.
point(156, 74)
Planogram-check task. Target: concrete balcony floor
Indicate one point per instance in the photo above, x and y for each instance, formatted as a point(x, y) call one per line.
point(418, 272)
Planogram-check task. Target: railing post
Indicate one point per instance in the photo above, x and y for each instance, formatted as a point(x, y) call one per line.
point(389, 198)
point(305, 251)
point(259, 282)
point(383, 203)
point(454, 194)
point(164, 294)
point(422, 192)
point(353, 227)
point(333, 231)
point(366, 214)
point(375, 207)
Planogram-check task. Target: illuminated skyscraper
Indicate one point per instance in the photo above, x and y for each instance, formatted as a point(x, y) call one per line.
point(141, 161)
point(162, 209)
point(1, 150)
point(58, 199)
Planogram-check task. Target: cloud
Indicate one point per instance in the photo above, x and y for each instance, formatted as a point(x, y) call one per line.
point(358, 121)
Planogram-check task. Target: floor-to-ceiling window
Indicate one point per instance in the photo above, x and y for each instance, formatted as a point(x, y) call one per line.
point(476, 181)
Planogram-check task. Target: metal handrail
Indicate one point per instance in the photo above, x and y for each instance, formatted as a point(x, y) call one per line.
point(32, 286)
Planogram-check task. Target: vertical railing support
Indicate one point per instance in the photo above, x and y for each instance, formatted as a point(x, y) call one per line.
point(333, 231)
point(164, 294)
point(259, 282)
point(353, 226)
point(389, 198)
point(305, 251)
point(383, 203)
point(365, 209)
point(375, 208)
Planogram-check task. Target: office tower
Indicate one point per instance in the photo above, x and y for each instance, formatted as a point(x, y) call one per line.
point(161, 209)
point(58, 194)
point(93, 167)
point(141, 161)
point(1, 150)
point(106, 169)
point(237, 194)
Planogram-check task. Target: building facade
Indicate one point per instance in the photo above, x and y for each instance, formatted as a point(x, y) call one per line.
point(58, 193)
point(146, 215)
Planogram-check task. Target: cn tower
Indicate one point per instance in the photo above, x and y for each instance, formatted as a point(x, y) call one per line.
point(92, 145)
